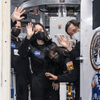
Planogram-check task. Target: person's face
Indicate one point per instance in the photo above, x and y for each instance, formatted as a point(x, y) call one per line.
point(18, 25)
point(52, 54)
point(38, 28)
point(72, 29)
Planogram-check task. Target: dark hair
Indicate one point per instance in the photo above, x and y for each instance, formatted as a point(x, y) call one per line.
point(74, 22)
point(60, 50)
point(49, 64)
point(47, 39)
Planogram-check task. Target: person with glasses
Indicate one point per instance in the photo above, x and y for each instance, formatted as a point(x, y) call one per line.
point(20, 65)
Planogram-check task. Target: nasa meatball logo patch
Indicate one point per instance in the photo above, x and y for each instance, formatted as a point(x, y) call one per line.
point(13, 45)
point(37, 53)
point(95, 51)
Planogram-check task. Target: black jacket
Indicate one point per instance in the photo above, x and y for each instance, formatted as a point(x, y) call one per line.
point(12, 24)
point(72, 75)
point(20, 65)
point(75, 53)
point(36, 53)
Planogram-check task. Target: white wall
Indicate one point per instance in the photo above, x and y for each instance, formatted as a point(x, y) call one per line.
point(4, 49)
point(87, 33)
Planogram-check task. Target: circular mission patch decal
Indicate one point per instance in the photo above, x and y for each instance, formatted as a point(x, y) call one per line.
point(95, 51)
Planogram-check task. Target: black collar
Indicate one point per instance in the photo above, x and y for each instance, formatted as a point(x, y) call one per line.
point(13, 39)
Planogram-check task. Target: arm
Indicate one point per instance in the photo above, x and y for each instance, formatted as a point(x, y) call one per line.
point(74, 52)
point(23, 50)
point(28, 73)
point(13, 23)
point(72, 72)
point(63, 78)
point(71, 76)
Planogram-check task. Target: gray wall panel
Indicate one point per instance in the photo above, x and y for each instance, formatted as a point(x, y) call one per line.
point(55, 30)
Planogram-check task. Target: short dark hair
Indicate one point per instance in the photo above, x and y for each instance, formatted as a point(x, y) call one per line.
point(74, 22)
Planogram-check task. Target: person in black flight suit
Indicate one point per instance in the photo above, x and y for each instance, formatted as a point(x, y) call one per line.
point(61, 68)
point(72, 28)
point(20, 65)
point(34, 46)
point(55, 68)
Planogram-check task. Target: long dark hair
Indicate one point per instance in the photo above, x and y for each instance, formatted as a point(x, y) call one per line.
point(47, 39)
point(61, 52)
point(74, 22)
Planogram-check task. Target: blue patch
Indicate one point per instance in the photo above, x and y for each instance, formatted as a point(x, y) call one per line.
point(96, 87)
point(13, 45)
point(12, 93)
point(37, 53)
point(55, 36)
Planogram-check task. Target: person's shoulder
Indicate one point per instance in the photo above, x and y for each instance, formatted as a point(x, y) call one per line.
point(54, 43)
point(78, 43)
point(51, 44)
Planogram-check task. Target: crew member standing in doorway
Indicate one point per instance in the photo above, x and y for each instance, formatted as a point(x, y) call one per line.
point(20, 65)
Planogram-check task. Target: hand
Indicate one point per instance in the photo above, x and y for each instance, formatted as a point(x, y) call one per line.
point(29, 87)
point(55, 86)
point(30, 32)
point(17, 14)
point(52, 77)
point(64, 42)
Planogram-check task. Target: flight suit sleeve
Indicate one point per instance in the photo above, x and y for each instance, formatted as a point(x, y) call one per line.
point(13, 23)
point(24, 48)
point(75, 52)
point(28, 75)
point(71, 75)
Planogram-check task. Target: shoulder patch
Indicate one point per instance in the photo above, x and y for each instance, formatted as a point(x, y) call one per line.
point(70, 65)
point(13, 45)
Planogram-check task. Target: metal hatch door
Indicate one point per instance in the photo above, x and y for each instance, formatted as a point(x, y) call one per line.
point(90, 46)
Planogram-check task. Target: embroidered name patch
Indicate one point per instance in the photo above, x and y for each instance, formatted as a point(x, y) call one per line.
point(70, 65)
point(16, 52)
